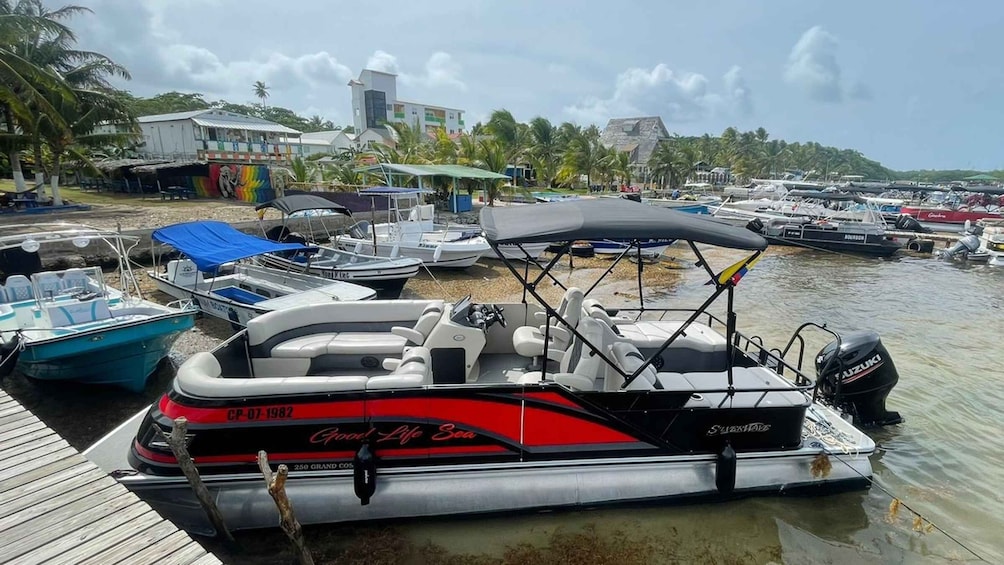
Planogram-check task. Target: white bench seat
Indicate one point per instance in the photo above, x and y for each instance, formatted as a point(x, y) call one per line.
point(651, 335)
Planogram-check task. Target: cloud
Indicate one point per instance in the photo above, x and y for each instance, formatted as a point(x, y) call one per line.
point(813, 68)
point(737, 93)
point(441, 70)
point(677, 96)
point(383, 61)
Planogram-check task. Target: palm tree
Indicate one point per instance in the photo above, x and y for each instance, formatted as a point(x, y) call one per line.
point(492, 156)
point(21, 82)
point(545, 151)
point(582, 157)
point(260, 92)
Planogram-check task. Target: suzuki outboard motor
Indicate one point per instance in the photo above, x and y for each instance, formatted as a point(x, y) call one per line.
point(906, 222)
point(859, 379)
point(967, 244)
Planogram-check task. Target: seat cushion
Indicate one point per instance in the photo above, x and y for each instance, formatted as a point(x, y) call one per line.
point(376, 343)
point(309, 346)
point(651, 335)
point(528, 341)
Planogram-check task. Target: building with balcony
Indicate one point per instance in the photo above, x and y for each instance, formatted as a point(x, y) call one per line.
point(216, 135)
point(375, 103)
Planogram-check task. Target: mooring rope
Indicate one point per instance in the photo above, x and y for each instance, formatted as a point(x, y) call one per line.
point(897, 501)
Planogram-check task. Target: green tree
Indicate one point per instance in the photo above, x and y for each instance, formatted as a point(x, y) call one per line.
point(260, 91)
point(545, 150)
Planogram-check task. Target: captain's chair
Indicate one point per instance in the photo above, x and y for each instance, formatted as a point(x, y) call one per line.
point(528, 341)
point(580, 366)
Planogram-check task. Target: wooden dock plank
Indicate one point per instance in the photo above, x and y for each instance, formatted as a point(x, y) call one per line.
point(51, 510)
point(138, 541)
point(34, 459)
point(40, 492)
point(60, 508)
point(15, 421)
point(19, 431)
point(26, 443)
point(37, 473)
point(80, 541)
point(40, 531)
point(159, 552)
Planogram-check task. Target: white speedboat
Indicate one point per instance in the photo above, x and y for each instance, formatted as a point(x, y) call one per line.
point(411, 232)
point(396, 409)
point(211, 275)
point(70, 324)
point(386, 275)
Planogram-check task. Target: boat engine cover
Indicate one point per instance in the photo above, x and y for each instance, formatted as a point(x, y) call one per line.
point(860, 379)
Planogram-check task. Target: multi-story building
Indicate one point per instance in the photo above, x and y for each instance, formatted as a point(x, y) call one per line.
point(375, 103)
point(217, 135)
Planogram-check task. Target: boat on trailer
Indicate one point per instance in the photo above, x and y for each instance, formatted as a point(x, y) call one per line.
point(70, 324)
point(211, 274)
point(386, 275)
point(409, 408)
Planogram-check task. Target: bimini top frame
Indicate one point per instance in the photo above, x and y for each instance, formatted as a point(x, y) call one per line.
point(632, 223)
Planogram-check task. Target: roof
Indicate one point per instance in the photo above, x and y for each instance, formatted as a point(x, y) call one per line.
point(626, 134)
point(326, 136)
point(399, 101)
point(299, 202)
point(215, 118)
point(210, 244)
point(171, 117)
point(452, 171)
point(170, 165)
point(263, 125)
point(394, 190)
point(608, 218)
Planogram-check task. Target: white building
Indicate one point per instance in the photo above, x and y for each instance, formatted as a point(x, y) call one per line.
point(217, 135)
point(329, 142)
point(375, 103)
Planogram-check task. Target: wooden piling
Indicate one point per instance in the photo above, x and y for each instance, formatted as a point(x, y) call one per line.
point(276, 485)
point(176, 441)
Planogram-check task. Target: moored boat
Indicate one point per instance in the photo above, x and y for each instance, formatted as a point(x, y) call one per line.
point(395, 409)
point(386, 275)
point(210, 273)
point(410, 232)
point(70, 324)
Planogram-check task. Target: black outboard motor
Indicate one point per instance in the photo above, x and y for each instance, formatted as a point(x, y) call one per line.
point(906, 222)
point(755, 225)
point(858, 381)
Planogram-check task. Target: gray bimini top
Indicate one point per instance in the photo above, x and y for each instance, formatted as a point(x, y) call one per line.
point(609, 218)
point(299, 202)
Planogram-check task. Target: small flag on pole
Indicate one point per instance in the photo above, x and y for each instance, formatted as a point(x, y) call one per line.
point(736, 272)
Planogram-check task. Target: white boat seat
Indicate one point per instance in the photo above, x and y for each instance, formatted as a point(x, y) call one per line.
point(528, 341)
point(365, 343)
point(48, 284)
point(781, 392)
point(415, 370)
point(200, 375)
point(580, 367)
point(651, 335)
point(19, 288)
point(628, 358)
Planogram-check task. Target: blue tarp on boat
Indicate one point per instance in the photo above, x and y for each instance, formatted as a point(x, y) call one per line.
point(210, 244)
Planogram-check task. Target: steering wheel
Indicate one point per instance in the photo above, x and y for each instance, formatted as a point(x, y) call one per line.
point(497, 310)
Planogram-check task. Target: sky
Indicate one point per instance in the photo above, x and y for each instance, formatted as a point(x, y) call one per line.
point(915, 84)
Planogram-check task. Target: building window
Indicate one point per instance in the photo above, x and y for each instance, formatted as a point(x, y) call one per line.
point(375, 107)
point(389, 107)
point(451, 117)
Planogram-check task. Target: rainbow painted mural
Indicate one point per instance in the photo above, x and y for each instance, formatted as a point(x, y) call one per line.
point(247, 183)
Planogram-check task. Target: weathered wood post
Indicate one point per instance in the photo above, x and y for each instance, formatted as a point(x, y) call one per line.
point(176, 441)
point(287, 520)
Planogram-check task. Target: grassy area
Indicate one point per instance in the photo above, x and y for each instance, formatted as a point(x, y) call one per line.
point(75, 195)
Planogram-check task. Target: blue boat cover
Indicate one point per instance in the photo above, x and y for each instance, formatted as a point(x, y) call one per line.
point(210, 244)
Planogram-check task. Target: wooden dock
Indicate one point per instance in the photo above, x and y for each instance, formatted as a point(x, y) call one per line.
point(58, 507)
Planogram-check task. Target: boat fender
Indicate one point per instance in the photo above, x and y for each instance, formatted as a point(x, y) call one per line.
point(725, 469)
point(359, 248)
point(437, 253)
point(395, 251)
point(364, 474)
